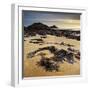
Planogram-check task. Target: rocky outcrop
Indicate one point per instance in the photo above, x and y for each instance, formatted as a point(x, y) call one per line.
point(42, 29)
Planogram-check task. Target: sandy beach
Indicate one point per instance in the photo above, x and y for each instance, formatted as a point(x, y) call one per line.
point(31, 69)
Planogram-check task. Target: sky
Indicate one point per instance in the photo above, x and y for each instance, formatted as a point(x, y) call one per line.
point(61, 20)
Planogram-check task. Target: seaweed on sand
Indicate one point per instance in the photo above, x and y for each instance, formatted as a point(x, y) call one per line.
point(72, 50)
point(36, 41)
point(52, 49)
point(59, 55)
point(77, 55)
point(69, 45)
point(53, 63)
point(48, 64)
point(43, 36)
point(63, 55)
point(69, 58)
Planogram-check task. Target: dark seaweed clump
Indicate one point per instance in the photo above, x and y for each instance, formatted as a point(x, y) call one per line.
point(59, 55)
point(36, 41)
point(51, 64)
point(48, 64)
